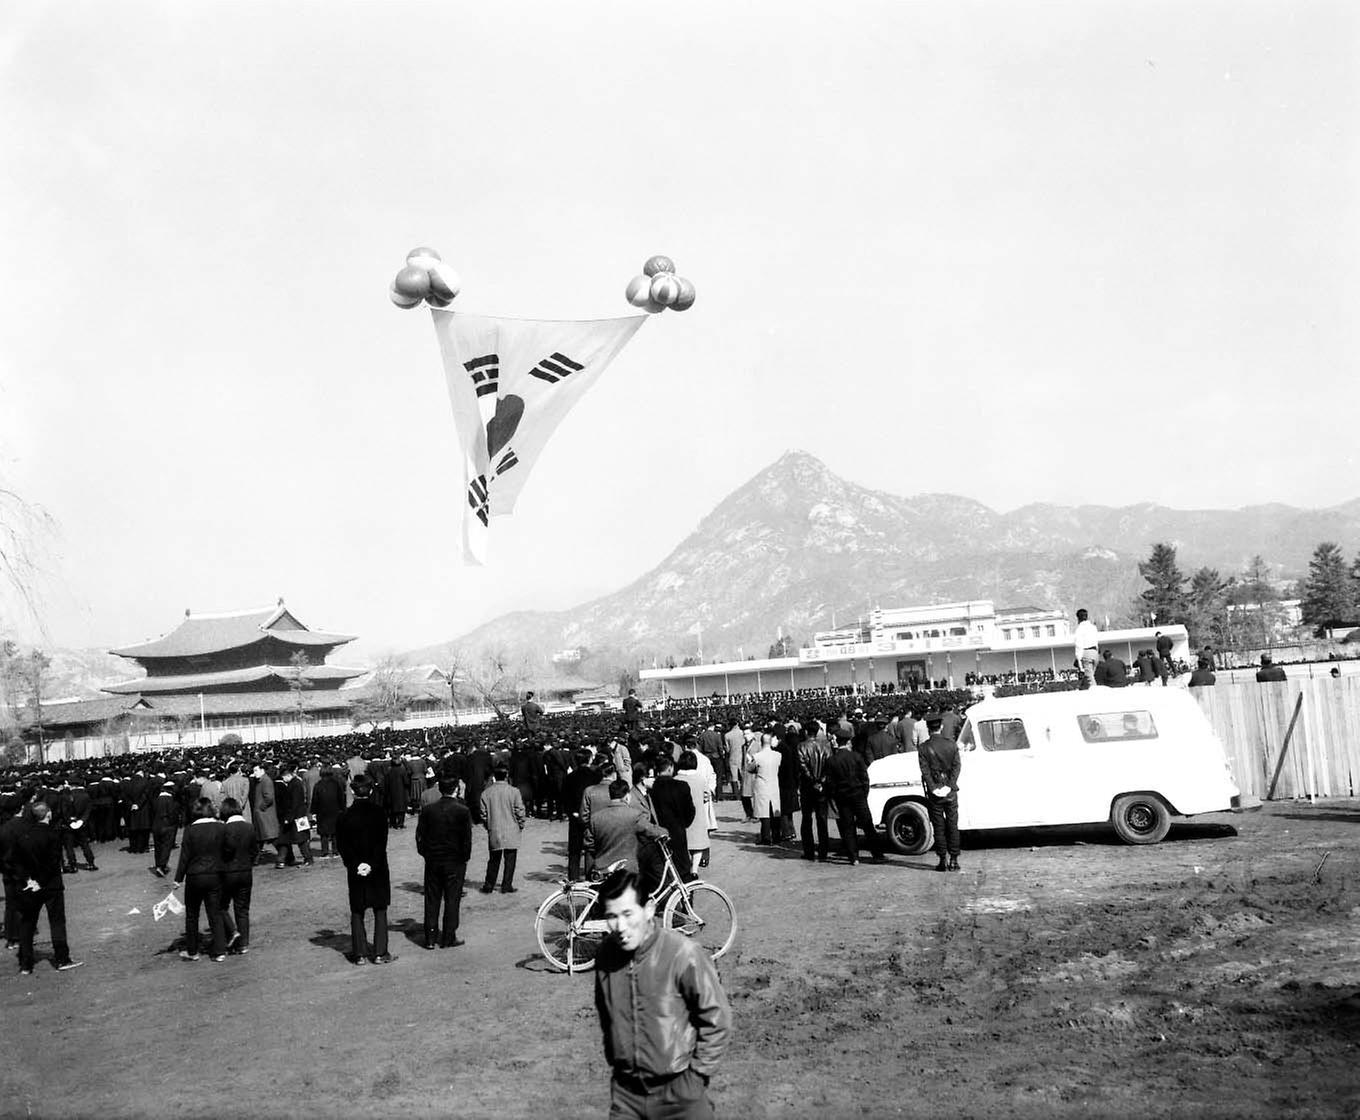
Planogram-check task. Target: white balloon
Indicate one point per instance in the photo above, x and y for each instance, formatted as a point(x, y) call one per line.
point(685, 300)
point(639, 291)
point(401, 299)
point(665, 289)
point(422, 257)
point(444, 282)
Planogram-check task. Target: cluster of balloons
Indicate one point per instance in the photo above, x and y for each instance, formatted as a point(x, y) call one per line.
point(425, 277)
point(659, 288)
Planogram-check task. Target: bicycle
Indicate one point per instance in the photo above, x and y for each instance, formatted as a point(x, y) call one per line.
point(570, 937)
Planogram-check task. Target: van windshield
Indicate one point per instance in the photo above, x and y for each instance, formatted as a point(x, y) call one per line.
point(1108, 727)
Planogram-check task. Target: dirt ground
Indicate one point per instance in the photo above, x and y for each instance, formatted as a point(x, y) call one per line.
point(1216, 974)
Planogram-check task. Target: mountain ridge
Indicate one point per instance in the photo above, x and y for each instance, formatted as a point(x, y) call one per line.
point(796, 542)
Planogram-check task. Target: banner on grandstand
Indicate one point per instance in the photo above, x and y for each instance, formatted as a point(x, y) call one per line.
point(511, 382)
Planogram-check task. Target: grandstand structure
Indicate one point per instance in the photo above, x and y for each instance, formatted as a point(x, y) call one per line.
point(950, 645)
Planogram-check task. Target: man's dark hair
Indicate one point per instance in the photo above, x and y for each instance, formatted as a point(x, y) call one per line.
point(230, 807)
point(619, 881)
point(1081, 615)
point(618, 789)
point(203, 807)
point(447, 786)
point(501, 773)
point(362, 785)
point(665, 764)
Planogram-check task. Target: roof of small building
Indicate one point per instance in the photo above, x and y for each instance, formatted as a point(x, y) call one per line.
point(207, 682)
point(202, 634)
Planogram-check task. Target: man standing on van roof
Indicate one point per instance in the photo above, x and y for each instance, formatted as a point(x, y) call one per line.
point(1085, 639)
point(940, 766)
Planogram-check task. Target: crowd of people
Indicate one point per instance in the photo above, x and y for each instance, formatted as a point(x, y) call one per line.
point(296, 797)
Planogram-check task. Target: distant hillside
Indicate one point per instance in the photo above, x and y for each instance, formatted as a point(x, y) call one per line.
point(797, 543)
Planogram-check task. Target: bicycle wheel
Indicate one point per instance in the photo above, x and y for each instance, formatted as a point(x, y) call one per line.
point(703, 912)
point(565, 937)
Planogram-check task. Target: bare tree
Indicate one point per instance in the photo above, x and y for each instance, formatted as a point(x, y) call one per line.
point(389, 696)
point(496, 677)
point(25, 531)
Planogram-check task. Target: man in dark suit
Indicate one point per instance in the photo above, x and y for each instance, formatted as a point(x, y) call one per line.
point(13, 824)
point(328, 800)
point(1269, 671)
point(361, 837)
point(164, 825)
point(138, 793)
point(200, 873)
point(632, 711)
point(76, 806)
point(581, 778)
point(1164, 655)
point(531, 712)
point(240, 850)
point(36, 864)
point(444, 839)
point(847, 785)
point(1203, 676)
point(479, 765)
point(940, 766)
point(290, 795)
point(673, 806)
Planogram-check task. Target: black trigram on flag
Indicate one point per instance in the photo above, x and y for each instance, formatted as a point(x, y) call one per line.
point(477, 498)
point(552, 369)
point(506, 461)
point(486, 373)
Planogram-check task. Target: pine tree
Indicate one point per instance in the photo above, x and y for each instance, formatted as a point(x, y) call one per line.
point(1329, 590)
point(1164, 600)
point(1207, 608)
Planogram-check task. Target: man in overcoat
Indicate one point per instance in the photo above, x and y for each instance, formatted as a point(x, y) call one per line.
point(504, 816)
point(263, 814)
point(361, 836)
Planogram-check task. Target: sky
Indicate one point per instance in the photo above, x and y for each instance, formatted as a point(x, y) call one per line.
point(1065, 252)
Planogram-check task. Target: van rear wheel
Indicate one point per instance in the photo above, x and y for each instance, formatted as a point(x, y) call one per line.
point(909, 828)
point(1140, 818)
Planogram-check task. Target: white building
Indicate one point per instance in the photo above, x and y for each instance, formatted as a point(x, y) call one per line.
point(953, 643)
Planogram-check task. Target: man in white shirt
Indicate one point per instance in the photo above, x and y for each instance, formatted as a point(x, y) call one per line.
point(1086, 640)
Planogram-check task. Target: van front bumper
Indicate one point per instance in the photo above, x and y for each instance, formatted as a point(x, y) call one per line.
point(1245, 803)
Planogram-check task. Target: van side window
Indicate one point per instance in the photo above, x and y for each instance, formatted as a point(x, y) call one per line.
point(1117, 727)
point(1003, 735)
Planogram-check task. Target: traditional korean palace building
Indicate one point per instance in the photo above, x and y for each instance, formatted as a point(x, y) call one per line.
point(951, 644)
point(245, 651)
point(232, 672)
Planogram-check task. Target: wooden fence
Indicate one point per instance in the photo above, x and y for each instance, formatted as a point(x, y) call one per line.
point(1323, 759)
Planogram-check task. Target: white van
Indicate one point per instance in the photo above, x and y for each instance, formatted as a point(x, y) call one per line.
point(1133, 756)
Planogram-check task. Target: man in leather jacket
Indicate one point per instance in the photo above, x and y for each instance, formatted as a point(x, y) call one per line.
point(665, 1017)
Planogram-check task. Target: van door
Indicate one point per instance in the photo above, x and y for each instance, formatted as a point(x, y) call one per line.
point(1001, 784)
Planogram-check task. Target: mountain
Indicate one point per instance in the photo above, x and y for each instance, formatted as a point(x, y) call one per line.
point(797, 542)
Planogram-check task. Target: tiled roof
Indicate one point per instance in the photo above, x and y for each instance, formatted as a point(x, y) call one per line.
point(208, 681)
point(86, 711)
point(80, 712)
point(202, 634)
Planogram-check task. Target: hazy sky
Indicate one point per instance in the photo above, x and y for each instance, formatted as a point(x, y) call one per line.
point(1069, 252)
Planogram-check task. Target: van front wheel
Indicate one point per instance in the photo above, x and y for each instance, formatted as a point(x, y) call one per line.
point(1140, 818)
point(909, 829)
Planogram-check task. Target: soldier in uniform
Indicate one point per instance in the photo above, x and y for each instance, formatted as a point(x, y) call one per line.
point(940, 766)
